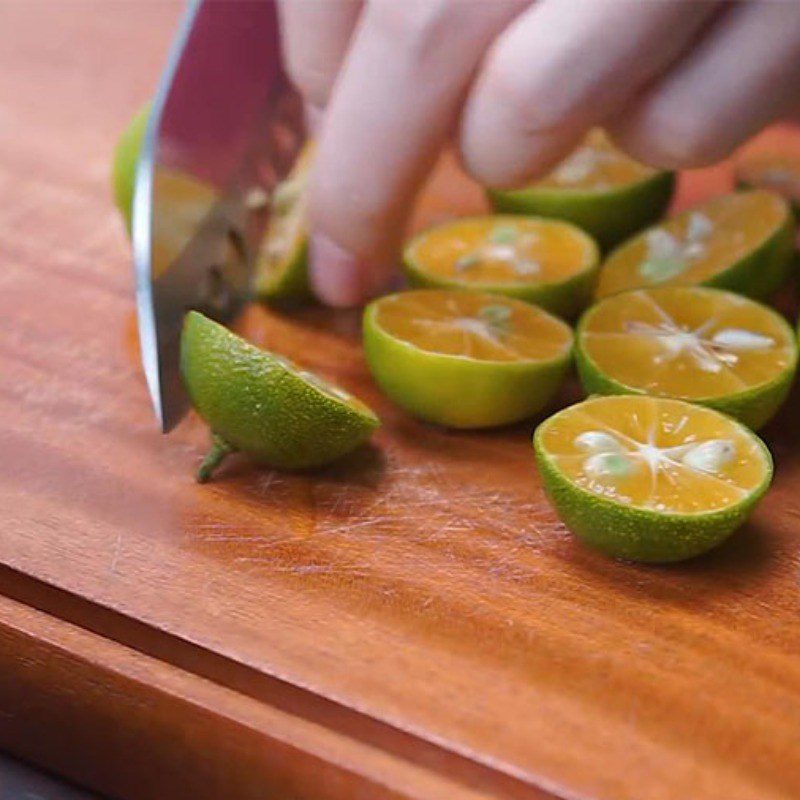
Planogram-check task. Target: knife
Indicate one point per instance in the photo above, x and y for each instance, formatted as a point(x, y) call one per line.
point(225, 128)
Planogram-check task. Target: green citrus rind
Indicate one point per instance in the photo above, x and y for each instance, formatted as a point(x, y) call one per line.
point(754, 407)
point(257, 403)
point(640, 534)
point(758, 275)
point(565, 299)
point(455, 391)
point(608, 215)
point(126, 159)
point(765, 270)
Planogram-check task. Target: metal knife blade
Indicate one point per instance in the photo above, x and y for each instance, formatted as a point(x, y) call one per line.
point(225, 128)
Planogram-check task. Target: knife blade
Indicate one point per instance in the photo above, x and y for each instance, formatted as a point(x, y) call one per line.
point(225, 129)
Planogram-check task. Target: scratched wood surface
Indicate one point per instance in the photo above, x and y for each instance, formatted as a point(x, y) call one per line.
point(415, 618)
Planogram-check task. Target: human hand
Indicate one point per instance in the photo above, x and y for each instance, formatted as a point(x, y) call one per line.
point(677, 83)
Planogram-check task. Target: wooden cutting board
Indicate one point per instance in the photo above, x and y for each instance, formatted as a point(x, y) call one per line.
point(413, 623)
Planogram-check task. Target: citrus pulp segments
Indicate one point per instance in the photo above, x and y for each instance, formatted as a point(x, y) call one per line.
point(741, 360)
point(661, 509)
point(263, 405)
point(557, 267)
point(747, 248)
point(598, 188)
point(462, 377)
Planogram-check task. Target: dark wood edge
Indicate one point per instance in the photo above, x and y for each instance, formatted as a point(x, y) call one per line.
point(135, 713)
point(22, 781)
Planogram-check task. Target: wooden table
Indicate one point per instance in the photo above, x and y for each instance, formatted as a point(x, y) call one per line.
point(412, 624)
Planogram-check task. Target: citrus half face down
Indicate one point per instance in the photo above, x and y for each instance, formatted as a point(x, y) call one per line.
point(598, 188)
point(546, 262)
point(262, 404)
point(741, 241)
point(650, 479)
point(465, 359)
point(704, 345)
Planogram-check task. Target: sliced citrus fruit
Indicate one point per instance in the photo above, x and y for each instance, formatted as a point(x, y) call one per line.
point(261, 404)
point(703, 345)
point(126, 158)
point(465, 359)
point(650, 478)
point(741, 241)
point(550, 263)
point(281, 271)
point(778, 172)
point(598, 188)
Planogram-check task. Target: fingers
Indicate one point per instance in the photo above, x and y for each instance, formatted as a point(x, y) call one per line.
point(394, 104)
point(561, 68)
point(315, 37)
point(743, 74)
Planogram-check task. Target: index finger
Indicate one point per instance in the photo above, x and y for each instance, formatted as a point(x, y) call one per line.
point(315, 37)
point(393, 106)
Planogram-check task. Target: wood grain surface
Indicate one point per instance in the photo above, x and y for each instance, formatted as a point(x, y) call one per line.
point(412, 623)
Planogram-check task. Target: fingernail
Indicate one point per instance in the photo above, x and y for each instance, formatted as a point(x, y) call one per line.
point(337, 276)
